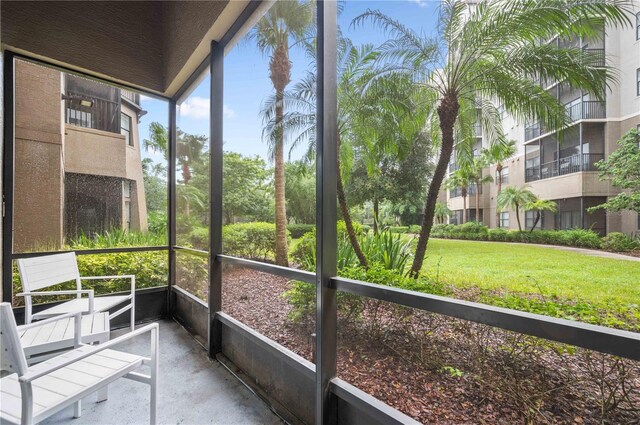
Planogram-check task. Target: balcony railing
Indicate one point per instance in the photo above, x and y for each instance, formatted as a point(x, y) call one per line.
point(532, 131)
point(586, 110)
point(92, 112)
point(594, 57)
point(567, 165)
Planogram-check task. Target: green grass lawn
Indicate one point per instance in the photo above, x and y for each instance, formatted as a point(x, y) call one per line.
point(522, 268)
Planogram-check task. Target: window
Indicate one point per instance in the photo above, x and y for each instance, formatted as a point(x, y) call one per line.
point(125, 128)
point(505, 175)
point(638, 26)
point(530, 218)
point(504, 219)
point(126, 189)
point(638, 81)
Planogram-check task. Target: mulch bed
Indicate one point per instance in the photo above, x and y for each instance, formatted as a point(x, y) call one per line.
point(437, 369)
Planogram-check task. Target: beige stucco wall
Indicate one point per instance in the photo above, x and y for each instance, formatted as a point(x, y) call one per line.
point(95, 152)
point(39, 196)
point(133, 171)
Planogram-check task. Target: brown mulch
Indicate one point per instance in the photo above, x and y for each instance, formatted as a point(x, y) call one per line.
point(437, 369)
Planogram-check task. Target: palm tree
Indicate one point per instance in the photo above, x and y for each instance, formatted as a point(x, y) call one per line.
point(285, 23)
point(513, 198)
point(539, 206)
point(460, 179)
point(473, 171)
point(442, 212)
point(493, 51)
point(497, 154)
point(353, 71)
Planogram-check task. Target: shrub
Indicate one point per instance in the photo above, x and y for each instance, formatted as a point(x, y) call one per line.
point(414, 228)
point(399, 229)
point(298, 230)
point(366, 228)
point(250, 240)
point(619, 242)
point(199, 238)
point(390, 250)
point(581, 238)
point(302, 295)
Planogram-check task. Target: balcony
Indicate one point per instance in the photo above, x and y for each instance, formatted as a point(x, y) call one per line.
point(568, 165)
point(586, 110)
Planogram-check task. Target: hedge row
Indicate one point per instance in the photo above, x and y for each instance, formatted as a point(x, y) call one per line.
point(580, 238)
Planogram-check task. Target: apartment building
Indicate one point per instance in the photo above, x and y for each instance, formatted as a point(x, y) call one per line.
point(78, 165)
point(562, 168)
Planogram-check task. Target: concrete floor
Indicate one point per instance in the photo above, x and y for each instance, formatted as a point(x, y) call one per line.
point(192, 390)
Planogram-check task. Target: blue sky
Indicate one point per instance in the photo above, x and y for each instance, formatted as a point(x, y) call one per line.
point(247, 81)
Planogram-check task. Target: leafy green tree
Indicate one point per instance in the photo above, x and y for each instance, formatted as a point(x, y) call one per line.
point(442, 212)
point(286, 23)
point(497, 154)
point(301, 192)
point(246, 188)
point(622, 168)
point(493, 51)
point(539, 206)
point(513, 198)
point(354, 69)
point(155, 186)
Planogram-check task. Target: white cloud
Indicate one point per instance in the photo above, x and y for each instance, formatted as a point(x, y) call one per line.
point(421, 3)
point(228, 112)
point(195, 107)
point(198, 108)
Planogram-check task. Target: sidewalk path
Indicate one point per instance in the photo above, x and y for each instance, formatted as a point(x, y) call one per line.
point(585, 251)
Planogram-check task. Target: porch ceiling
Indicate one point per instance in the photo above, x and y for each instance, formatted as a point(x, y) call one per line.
point(152, 45)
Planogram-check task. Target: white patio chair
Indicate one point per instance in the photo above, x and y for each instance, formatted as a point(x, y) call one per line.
point(31, 394)
point(48, 270)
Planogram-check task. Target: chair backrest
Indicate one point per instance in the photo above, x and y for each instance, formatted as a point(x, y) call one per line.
point(12, 358)
point(48, 270)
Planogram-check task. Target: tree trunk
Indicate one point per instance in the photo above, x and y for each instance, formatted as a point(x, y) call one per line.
point(518, 217)
point(535, 223)
point(478, 201)
point(447, 112)
point(464, 208)
point(282, 254)
point(376, 208)
point(499, 172)
point(346, 216)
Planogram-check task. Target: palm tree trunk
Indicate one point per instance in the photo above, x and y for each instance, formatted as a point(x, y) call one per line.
point(376, 208)
point(478, 201)
point(499, 172)
point(282, 255)
point(518, 217)
point(464, 209)
point(535, 223)
point(346, 216)
point(447, 112)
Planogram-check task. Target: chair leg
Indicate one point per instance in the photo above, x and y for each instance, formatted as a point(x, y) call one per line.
point(77, 409)
point(102, 394)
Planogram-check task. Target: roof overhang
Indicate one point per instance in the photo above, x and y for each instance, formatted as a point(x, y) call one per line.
point(155, 46)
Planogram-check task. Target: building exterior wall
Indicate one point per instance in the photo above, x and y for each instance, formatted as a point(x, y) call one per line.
point(62, 167)
point(622, 114)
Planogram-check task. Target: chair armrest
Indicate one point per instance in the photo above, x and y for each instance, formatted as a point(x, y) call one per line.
point(65, 292)
point(82, 353)
point(49, 320)
point(124, 276)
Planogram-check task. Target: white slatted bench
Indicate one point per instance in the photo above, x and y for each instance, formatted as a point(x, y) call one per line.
point(30, 394)
point(48, 338)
